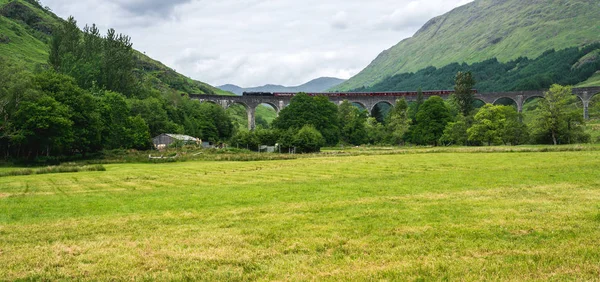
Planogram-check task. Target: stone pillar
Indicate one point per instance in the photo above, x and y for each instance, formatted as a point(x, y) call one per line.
point(251, 118)
point(520, 101)
point(280, 106)
point(586, 113)
point(224, 104)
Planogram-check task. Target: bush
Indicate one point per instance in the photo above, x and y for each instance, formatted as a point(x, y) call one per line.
point(245, 140)
point(308, 140)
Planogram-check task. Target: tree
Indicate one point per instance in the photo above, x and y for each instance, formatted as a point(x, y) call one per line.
point(152, 110)
point(498, 125)
point(14, 84)
point(455, 132)
point(376, 132)
point(316, 111)
point(414, 108)
point(214, 116)
point(488, 126)
point(398, 122)
point(286, 139)
point(121, 130)
point(245, 139)
point(137, 133)
point(432, 118)
point(352, 124)
point(117, 63)
point(93, 60)
point(267, 137)
point(64, 46)
point(463, 91)
point(42, 125)
point(83, 109)
point(558, 117)
point(308, 140)
point(515, 131)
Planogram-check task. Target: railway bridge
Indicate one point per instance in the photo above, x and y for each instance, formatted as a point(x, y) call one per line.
point(518, 99)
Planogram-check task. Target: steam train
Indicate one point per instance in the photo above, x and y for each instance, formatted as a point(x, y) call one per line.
point(355, 94)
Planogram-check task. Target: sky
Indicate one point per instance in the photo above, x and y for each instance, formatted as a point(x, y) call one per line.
point(256, 42)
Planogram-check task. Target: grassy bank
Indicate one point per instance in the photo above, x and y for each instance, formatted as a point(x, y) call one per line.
point(449, 215)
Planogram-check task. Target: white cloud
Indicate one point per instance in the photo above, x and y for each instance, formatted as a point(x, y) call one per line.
point(255, 42)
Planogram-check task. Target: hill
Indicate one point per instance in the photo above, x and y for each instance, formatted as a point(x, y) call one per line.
point(571, 66)
point(484, 29)
point(316, 85)
point(25, 33)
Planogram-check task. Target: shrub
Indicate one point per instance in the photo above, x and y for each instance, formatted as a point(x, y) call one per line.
point(308, 140)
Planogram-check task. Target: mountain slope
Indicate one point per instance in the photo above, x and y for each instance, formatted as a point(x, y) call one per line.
point(26, 31)
point(483, 29)
point(316, 85)
point(570, 66)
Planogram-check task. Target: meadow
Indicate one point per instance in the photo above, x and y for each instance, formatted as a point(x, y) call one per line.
point(456, 214)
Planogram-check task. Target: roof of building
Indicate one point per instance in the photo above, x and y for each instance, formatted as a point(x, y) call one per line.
point(182, 137)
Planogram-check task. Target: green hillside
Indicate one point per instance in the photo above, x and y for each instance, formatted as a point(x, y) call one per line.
point(592, 81)
point(26, 30)
point(571, 66)
point(484, 29)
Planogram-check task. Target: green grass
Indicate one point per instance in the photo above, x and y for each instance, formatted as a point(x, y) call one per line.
point(24, 48)
point(239, 115)
point(419, 216)
point(266, 112)
point(591, 82)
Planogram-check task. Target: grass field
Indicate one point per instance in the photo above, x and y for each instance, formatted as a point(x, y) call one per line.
point(419, 216)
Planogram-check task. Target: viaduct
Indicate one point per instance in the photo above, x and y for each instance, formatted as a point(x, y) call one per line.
point(517, 99)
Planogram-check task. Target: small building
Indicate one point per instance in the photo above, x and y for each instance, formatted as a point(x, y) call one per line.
point(165, 140)
point(207, 145)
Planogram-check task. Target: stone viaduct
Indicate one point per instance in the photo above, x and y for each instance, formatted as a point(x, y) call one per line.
point(518, 99)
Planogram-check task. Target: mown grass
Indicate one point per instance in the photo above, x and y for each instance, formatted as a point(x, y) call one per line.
point(422, 216)
point(51, 169)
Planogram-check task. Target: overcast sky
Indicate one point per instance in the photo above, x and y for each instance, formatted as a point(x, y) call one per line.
point(255, 42)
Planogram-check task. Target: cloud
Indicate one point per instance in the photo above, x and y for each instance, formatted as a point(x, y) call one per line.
point(414, 13)
point(340, 20)
point(160, 8)
point(256, 42)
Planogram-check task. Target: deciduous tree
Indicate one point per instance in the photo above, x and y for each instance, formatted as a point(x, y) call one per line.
point(558, 116)
point(432, 118)
point(306, 110)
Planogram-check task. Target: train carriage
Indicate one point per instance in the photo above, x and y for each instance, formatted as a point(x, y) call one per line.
point(355, 94)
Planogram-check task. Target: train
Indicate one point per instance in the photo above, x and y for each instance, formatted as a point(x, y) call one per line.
point(355, 94)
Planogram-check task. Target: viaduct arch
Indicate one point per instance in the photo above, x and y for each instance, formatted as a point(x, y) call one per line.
point(280, 102)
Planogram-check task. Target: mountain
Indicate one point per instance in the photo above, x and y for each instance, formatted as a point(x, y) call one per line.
point(26, 30)
point(316, 85)
point(485, 29)
point(571, 66)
